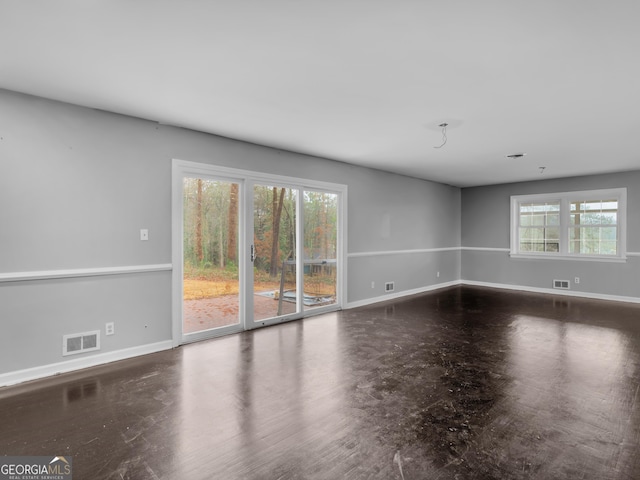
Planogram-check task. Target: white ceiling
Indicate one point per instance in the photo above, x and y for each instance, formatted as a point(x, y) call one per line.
point(360, 81)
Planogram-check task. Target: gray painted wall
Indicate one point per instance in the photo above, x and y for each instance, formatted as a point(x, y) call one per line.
point(76, 186)
point(408, 272)
point(35, 315)
point(485, 224)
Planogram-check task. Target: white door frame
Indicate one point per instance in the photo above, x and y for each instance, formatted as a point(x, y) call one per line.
point(246, 179)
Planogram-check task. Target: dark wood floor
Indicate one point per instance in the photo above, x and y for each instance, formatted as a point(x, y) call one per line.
point(454, 384)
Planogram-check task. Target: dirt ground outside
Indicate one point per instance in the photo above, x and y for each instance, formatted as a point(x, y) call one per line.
point(206, 313)
point(211, 303)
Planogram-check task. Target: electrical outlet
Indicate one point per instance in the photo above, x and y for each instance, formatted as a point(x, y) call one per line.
point(576, 280)
point(109, 328)
point(438, 274)
point(373, 284)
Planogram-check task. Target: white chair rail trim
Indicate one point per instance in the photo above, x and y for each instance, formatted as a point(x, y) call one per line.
point(83, 272)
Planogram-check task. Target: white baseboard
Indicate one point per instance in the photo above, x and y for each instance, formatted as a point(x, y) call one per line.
point(503, 286)
point(19, 376)
point(553, 291)
point(404, 293)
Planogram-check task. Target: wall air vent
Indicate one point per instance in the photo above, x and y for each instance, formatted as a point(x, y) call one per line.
point(80, 342)
point(389, 287)
point(562, 284)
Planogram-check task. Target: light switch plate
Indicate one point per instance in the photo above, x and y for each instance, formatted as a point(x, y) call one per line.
point(144, 234)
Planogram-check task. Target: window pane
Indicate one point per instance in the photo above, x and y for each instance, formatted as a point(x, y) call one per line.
point(608, 233)
point(608, 248)
point(522, 234)
point(539, 207)
point(590, 218)
point(537, 247)
point(320, 248)
point(591, 237)
point(590, 247)
point(590, 233)
point(525, 208)
point(574, 233)
point(594, 212)
point(536, 234)
point(275, 241)
point(211, 278)
point(574, 246)
point(537, 220)
point(539, 239)
point(539, 224)
point(593, 240)
point(552, 247)
point(591, 205)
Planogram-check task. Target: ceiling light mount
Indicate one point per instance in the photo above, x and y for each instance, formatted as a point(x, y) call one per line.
point(443, 126)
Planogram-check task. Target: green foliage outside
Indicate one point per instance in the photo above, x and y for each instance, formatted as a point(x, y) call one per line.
point(211, 237)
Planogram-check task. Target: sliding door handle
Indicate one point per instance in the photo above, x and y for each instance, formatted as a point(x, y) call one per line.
point(253, 253)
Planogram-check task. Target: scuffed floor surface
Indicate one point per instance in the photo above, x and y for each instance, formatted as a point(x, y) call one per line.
point(462, 383)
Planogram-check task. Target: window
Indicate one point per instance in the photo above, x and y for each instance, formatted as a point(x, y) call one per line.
point(584, 225)
point(539, 228)
point(594, 227)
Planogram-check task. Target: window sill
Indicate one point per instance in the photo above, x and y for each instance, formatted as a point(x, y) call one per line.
point(574, 258)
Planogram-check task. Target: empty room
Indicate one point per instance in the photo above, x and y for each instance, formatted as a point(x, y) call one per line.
point(319, 240)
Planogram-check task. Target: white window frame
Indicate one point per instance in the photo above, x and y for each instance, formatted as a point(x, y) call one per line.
point(565, 199)
point(247, 178)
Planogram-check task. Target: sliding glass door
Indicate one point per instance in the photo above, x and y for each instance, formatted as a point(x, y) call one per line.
point(251, 250)
point(274, 252)
point(211, 278)
point(320, 248)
